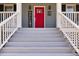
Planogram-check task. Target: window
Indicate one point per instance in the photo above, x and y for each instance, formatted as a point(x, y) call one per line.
point(7, 7)
point(63, 8)
point(70, 7)
point(49, 12)
point(77, 7)
point(29, 7)
point(1, 7)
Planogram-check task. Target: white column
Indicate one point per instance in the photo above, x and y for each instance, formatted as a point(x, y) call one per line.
point(58, 18)
point(19, 17)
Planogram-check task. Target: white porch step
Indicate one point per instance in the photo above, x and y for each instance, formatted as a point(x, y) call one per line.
point(38, 32)
point(37, 35)
point(36, 50)
point(38, 54)
point(38, 29)
point(31, 39)
point(36, 44)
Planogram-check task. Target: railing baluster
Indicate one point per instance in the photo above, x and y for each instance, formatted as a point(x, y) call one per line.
point(1, 17)
point(7, 27)
point(0, 35)
point(78, 18)
point(3, 33)
point(5, 30)
point(5, 15)
point(74, 16)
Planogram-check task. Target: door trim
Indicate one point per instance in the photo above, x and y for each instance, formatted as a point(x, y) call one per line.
point(34, 15)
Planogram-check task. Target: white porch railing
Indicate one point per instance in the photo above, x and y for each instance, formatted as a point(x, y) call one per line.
point(70, 30)
point(74, 16)
point(7, 29)
point(5, 15)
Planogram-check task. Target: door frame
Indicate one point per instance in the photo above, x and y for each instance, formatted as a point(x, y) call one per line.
point(34, 15)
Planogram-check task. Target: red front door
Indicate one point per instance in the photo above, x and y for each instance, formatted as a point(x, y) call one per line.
point(39, 17)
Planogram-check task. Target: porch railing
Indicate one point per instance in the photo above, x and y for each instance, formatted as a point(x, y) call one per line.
point(7, 29)
point(74, 16)
point(5, 15)
point(70, 31)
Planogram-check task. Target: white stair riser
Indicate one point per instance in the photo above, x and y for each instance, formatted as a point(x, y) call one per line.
point(37, 51)
point(38, 29)
point(53, 35)
point(35, 40)
point(38, 37)
point(37, 54)
point(38, 32)
point(36, 44)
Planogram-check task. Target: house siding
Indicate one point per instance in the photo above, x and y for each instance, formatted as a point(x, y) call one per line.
point(50, 21)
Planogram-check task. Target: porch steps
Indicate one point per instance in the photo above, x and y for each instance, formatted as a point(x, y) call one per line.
point(37, 42)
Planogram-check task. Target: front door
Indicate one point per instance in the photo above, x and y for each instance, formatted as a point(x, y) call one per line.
point(39, 17)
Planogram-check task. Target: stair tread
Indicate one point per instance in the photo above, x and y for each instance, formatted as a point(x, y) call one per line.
point(29, 40)
point(37, 50)
point(37, 41)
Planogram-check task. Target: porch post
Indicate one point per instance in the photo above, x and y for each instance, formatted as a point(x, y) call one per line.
point(19, 17)
point(58, 18)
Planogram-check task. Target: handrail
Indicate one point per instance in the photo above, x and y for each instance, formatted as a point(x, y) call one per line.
point(69, 20)
point(7, 29)
point(70, 12)
point(7, 12)
point(74, 16)
point(70, 31)
point(2, 23)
